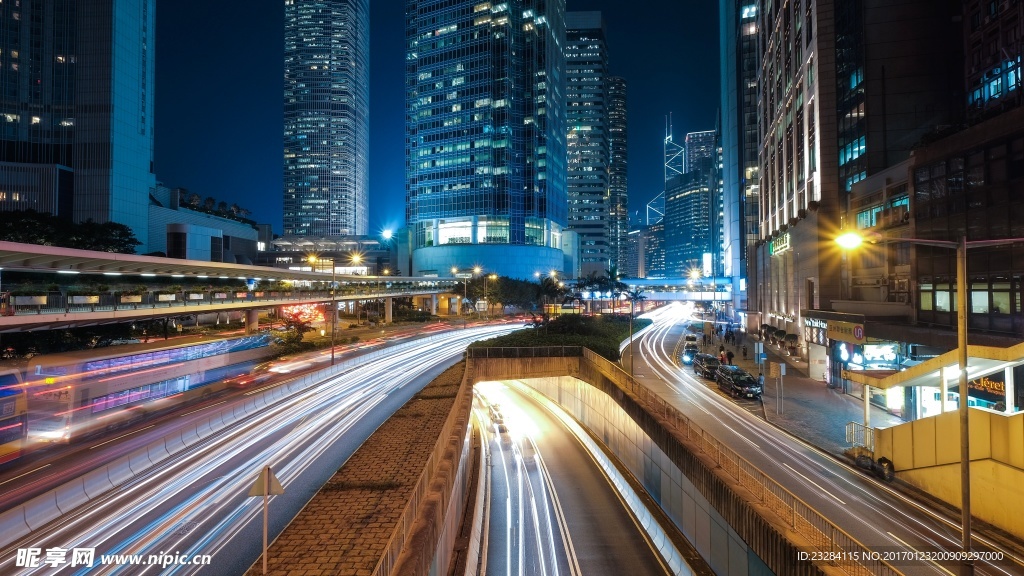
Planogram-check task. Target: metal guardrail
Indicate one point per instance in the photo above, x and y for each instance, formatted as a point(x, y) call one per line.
point(532, 352)
point(822, 534)
point(858, 434)
point(61, 303)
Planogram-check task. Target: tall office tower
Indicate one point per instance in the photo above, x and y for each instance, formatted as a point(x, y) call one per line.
point(76, 97)
point(618, 189)
point(829, 117)
point(688, 229)
point(485, 135)
point(675, 154)
point(653, 246)
point(326, 117)
point(587, 142)
point(634, 254)
point(699, 145)
point(738, 37)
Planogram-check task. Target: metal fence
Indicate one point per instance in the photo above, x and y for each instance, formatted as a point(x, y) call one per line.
point(531, 352)
point(858, 434)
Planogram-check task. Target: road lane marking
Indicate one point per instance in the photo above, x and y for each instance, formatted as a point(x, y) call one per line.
point(815, 483)
point(122, 436)
point(25, 474)
point(204, 408)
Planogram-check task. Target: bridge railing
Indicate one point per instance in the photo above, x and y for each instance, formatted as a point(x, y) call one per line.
point(65, 303)
point(532, 352)
point(821, 533)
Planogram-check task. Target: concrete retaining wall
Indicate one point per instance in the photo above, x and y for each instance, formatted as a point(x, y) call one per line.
point(733, 536)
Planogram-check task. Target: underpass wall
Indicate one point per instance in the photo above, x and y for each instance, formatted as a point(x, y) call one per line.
point(732, 535)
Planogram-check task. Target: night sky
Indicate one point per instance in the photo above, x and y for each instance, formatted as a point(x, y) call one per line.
point(219, 95)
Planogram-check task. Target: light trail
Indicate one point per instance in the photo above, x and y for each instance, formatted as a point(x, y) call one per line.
point(877, 510)
point(140, 517)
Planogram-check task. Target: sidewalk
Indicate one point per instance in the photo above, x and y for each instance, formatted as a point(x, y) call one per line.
point(809, 409)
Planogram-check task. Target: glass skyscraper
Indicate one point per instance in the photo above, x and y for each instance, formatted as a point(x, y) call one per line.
point(618, 191)
point(586, 95)
point(485, 135)
point(326, 117)
point(76, 92)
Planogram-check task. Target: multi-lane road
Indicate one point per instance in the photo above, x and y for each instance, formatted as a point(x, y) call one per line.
point(879, 517)
point(552, 509)
point(193, 505)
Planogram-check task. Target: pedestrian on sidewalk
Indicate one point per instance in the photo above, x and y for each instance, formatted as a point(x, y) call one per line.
point(760, 380)
point(729, 356)
point(744, 352)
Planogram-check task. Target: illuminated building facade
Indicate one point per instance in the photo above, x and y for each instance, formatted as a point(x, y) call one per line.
point(485, 135)
point(326, 117)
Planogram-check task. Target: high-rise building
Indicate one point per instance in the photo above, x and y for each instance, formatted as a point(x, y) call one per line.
point(699, 146)
point(738, 39)
point(688, 229)
point(618, 188)
point(326, 117)
point(76, 109)
point(588, 139)
point(829, 117)
point(485, 135)
point(653, 250)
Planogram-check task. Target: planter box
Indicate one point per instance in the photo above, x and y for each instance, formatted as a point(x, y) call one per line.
point(131, 299)
point(241, 294)
point(89, 299)
point(30, 300)
point(258, 295)
point(196, 296)
point(166, 297)
point(220, 295)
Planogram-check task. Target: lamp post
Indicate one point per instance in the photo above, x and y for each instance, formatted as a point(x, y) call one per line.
point(852, 240)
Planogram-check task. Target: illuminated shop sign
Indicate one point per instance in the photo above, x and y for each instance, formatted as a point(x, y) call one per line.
point(779, 245)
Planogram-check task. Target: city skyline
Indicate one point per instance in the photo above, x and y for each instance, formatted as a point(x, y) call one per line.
point(244, 67)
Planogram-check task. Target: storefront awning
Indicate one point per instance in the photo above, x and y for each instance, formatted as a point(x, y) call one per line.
point(981, 361)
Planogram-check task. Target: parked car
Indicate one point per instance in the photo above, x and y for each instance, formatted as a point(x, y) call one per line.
point(690, 338)
point(737, 382)
point(690, 350)
point(705, 365)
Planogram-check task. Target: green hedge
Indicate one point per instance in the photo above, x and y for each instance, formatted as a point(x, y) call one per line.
point(602, 334)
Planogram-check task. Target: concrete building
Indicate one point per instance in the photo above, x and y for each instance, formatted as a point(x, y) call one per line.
point(738, 51)
point(180, 232)
point(76, 96)
point(588, 139)
point(486, 135)
point(326, 117)
point(830, 117)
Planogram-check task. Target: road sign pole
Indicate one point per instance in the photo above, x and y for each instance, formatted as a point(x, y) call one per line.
point(266, 508)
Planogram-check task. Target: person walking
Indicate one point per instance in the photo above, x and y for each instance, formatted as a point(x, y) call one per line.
point(729, 356)
point(760, 380)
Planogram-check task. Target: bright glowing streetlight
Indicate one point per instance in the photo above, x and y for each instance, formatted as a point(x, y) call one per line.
point(852, 240)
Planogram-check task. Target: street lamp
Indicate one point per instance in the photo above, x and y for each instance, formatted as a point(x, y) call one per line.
point(851, 240)
point(334, 309)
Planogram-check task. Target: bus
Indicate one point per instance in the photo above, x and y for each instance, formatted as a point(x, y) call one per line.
point(13, 415)
point(75, 394)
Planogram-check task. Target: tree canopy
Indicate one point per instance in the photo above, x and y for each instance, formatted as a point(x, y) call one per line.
point(44, 229)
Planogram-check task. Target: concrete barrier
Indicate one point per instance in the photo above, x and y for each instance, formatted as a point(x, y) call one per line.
point(203, 429)
point(13, 525)
point(158, 451)
point(71, 495)
point(96, 482)
point(174, 443)
point(41, 510)
point(189, 436)
point(119, 471)
point(139, 461)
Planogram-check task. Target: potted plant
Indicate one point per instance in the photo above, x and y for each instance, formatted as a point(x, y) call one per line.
point(29, 295)
point(778, 336)
point(791, 341)
point(132, 295)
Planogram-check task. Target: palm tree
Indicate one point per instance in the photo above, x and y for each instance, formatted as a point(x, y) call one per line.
point(635, 295)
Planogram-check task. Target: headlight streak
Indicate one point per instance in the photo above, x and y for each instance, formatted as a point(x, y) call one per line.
point(317, 415)
point(803, 457)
